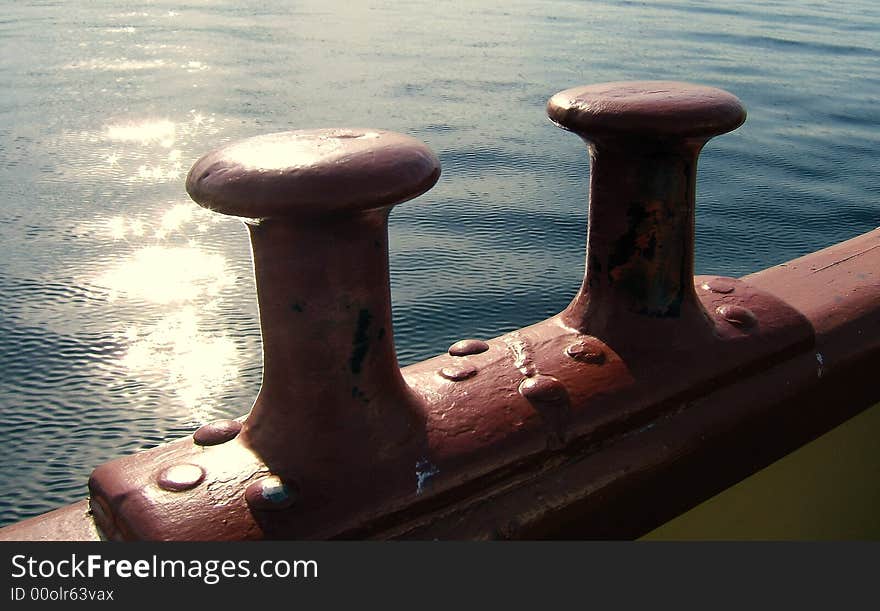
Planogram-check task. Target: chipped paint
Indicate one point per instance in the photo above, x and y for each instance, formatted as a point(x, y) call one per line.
point(424, 472)
point(522, 358)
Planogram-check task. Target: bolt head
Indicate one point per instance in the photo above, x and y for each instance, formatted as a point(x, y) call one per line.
point(587, 351)
point(467, 347)
point(217, 432)
point(737, 315)
point(178, 478)
point(457, 373)
point(270, 493)
point(543, 389)
point(723, 286)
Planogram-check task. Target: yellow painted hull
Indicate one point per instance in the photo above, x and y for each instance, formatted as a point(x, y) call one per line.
point(827, 490)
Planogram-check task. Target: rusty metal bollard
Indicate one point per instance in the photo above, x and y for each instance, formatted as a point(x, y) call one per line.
point(577, 424)
point(644, 139)
point(333, 407)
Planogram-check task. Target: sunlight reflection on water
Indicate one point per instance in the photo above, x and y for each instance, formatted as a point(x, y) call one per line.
point(196, 363)
point(167, 275)
point(187, 280)
point(159, 141)
point(162, 131)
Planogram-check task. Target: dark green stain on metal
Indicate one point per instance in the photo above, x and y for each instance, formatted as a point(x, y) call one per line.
point(627, 251)
point(357, 393)
point(686, 212)
point(636, 261)
point(361, 342)
point(296, 307)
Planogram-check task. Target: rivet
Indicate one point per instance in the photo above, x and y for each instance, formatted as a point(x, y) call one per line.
point(737, 315)
point(543, 390)
point(720, 285)
point(550, 399)
point(269, 494)
point(457, 373)
point(467, 347)
point(178, 478)
point(217, 432)
point(587, 351)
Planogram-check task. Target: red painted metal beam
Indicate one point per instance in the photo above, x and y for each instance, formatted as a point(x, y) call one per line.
point(633, 482)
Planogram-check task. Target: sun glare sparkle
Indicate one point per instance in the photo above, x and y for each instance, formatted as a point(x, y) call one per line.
point(122, 64)
point(136, 227)
point(176, 216)
point(195, 363)
point(164, 275)
point(156, 131)
point(116, 227)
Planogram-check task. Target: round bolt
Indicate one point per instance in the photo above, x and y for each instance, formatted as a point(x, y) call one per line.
point(736, 315)
point(587, 351)
point(270, 494)
point(217, 432)
point(458, 372)
point(467, 347)
point(723, 286)
point(543, 390)
point(318, 204)
point(178, 478)
point(550, 399)
point(644, 139)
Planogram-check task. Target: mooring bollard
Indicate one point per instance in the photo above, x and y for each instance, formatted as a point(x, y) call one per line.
point(651, 391)
point(644, 139)
point(333, 406)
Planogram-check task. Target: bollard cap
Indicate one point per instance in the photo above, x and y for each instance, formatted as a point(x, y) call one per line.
point(313, 173)
point(660, 109)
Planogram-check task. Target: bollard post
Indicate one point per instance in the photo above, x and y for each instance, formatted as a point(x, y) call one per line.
point(644, 139)
point(333, 410)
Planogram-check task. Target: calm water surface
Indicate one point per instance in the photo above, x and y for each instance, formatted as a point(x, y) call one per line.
point(127, 313)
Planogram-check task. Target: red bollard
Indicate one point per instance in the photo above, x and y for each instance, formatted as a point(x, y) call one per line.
point(644, 139)
point(333, 408)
